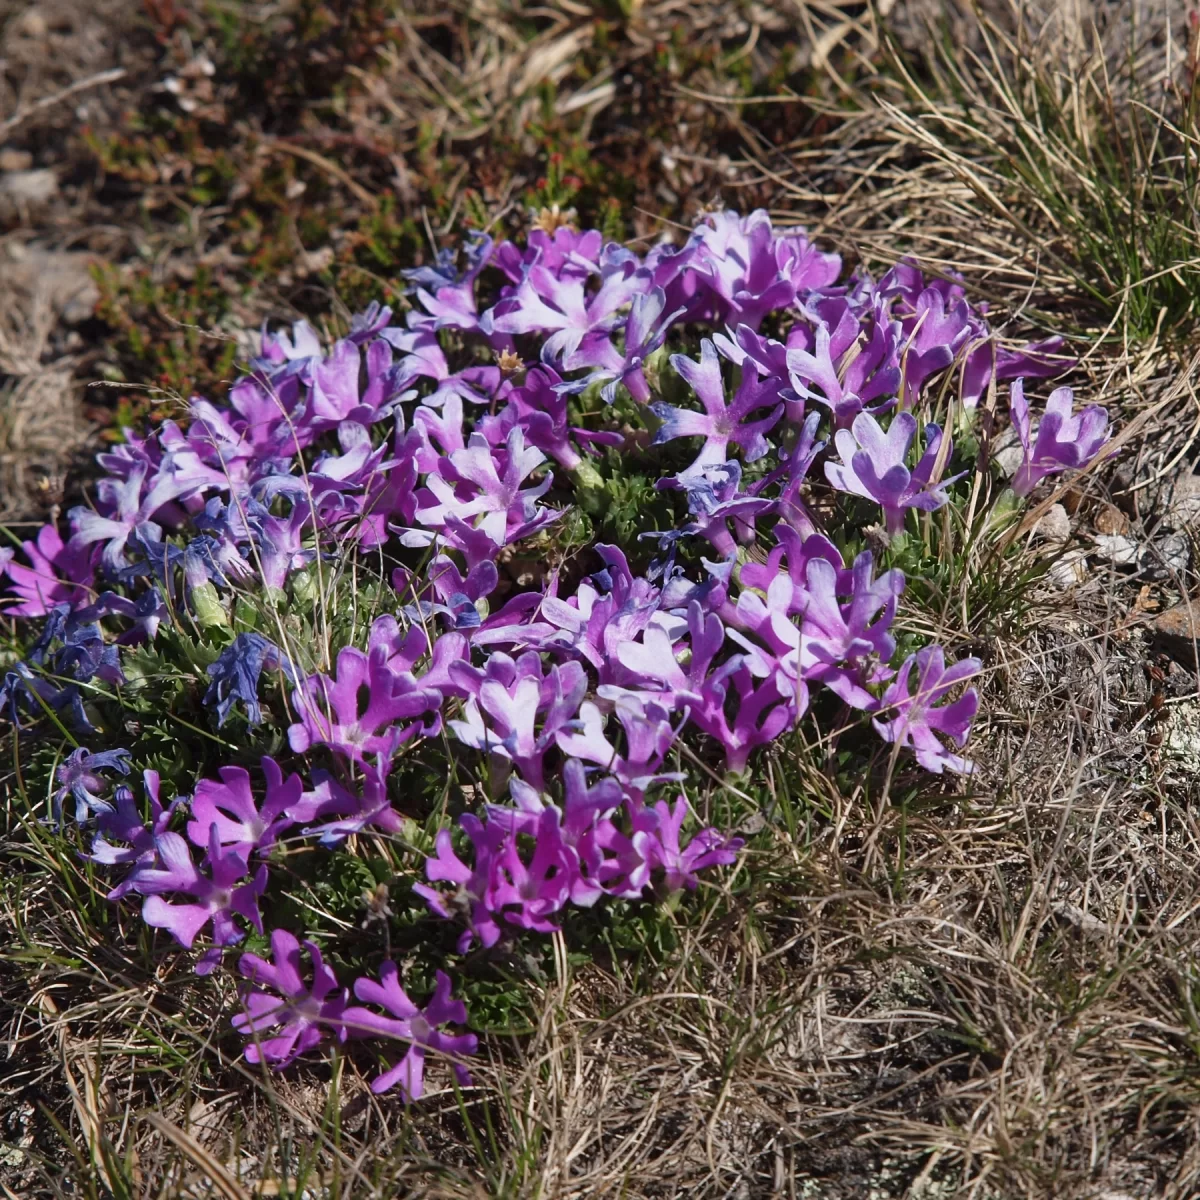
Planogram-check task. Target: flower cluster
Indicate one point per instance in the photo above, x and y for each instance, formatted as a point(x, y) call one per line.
point(438, 444)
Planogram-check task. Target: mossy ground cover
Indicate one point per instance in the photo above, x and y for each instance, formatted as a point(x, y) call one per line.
point(906, 987)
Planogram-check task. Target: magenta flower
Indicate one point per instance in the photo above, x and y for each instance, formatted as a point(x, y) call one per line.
point(227, 811)
point(277, 997)
point(571, 838)
point(720, 423)
point(529, 893)
point(408, 1023)
point(918, 718)
point(873, 466)
point(661, 848)
point(1063, 442)
point(472, 885)
point(330, 712)
point(335, 393)
point(216, 898)
point(60, 573)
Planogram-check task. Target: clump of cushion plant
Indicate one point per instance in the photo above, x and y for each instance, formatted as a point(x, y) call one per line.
point(430, 454)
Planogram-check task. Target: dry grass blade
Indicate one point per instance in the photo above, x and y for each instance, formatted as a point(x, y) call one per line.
point(214, 1171)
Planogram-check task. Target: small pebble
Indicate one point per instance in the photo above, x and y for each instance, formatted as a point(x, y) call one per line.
point(1184, 508)
point(1068, 570)
point(1054, 526)
point(1111, 519)
point(1118, 549)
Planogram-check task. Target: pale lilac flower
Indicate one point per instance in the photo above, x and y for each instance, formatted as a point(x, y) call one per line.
point(918, 718)
point(471, 485)
point(277, 349)
point(871, 376)
point(720, 423)
point(408, 1023)
point(1063, 442)
point(579, 323)
point(513, 696)
point(125, 508)
point(277, 998)
point(873, 466)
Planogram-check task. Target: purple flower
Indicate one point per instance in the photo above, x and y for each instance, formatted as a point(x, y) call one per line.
point(940, 325)
point(330, 710)
point(125, 508)
point(873, 466)
point(870, 374)
point(278, 998)
point(471, 483)
point(579, 323)
point(1063, 441)
point(539, 405)
point(648, 737)
point(918, 718)
point(720, 423)
point(60, 573)
point(528, 893)
point(842, 645)
point(123, 822)
point(417, 1026)
point(218, 896)
point(235, 675)
point(335, 397)
point(762, 711)
point(714, 498)
point(83, 651)
point(645, 331)
point(568, 862)
point(77, 777)
point(751, 270)
point(661, 847)
point(472, 885)
point(513, 695)
point(226, 811)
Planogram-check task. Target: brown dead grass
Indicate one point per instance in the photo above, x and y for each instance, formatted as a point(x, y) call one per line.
point(981, 995)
